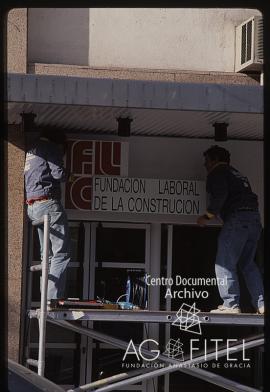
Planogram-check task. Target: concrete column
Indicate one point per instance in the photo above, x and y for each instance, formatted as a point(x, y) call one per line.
point(17, 40)
point(14, 156)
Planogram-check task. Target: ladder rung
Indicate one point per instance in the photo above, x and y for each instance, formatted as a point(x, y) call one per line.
point(37, 267)
point(32, 362)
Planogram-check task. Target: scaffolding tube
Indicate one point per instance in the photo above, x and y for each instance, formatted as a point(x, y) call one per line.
point(43, 304)
point(44, 266)
point(151, 316)
point(179, 366)
point(109, 380)
point(200, 373)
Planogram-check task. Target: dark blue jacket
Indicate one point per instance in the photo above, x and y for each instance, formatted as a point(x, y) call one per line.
point(229, 191)
point(44, 170)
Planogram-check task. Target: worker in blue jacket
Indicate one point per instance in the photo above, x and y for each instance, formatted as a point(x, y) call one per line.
point(231, 199)
point(44, 171)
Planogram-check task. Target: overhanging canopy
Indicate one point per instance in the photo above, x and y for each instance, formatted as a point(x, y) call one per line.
point(157, 108)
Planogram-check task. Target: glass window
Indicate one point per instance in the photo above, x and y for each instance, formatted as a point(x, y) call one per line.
point(108, 362)
point(110, 283)
point(123, 245)
point(74, 286)
point(76, 238)
point(54, 334)
point(122, 330)
point(193, 255)
point(62, 365)
point(192, 384)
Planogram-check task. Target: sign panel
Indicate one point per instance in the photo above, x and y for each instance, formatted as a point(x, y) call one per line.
point(86, 158)
point(148, 196)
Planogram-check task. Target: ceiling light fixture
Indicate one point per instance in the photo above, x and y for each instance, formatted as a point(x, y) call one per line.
point(124, 126)
point(221, 134)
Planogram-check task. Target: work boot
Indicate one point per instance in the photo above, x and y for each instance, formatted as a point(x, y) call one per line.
point(225, 309)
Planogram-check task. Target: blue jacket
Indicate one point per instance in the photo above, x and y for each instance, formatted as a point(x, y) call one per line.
point(229, 191)
point(44, 170)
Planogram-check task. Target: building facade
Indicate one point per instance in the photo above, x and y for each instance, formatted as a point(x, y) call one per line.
point(171, 75)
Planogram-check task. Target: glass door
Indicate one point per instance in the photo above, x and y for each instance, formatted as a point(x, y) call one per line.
point(117, 250)
point(64, 349)
point(189, 252)
point(103, 256)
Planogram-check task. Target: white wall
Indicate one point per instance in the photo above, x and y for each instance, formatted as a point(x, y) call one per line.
point(58, 35)
point(158, 38)
point(183, 159)
point(185, 39)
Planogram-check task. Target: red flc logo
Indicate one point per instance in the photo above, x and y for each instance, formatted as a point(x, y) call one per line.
point(87, 158)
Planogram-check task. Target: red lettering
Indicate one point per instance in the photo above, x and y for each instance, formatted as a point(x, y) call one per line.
point(79, 194)
point(82, 157)
point(108, 158)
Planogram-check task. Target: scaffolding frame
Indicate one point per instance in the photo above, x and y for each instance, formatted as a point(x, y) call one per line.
point(44, 268)
point(60, 317)
point(146, 316)
point(196, 372)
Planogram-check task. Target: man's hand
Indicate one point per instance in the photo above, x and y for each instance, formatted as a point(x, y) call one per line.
point(202, 220)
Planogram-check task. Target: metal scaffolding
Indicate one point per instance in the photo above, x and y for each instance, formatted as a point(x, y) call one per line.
point(44, 268)
point(174, 365)
point(148, 316)
point(65, 318)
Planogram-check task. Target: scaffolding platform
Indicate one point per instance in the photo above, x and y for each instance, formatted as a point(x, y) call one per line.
point(184, 317)
point(147, 316)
